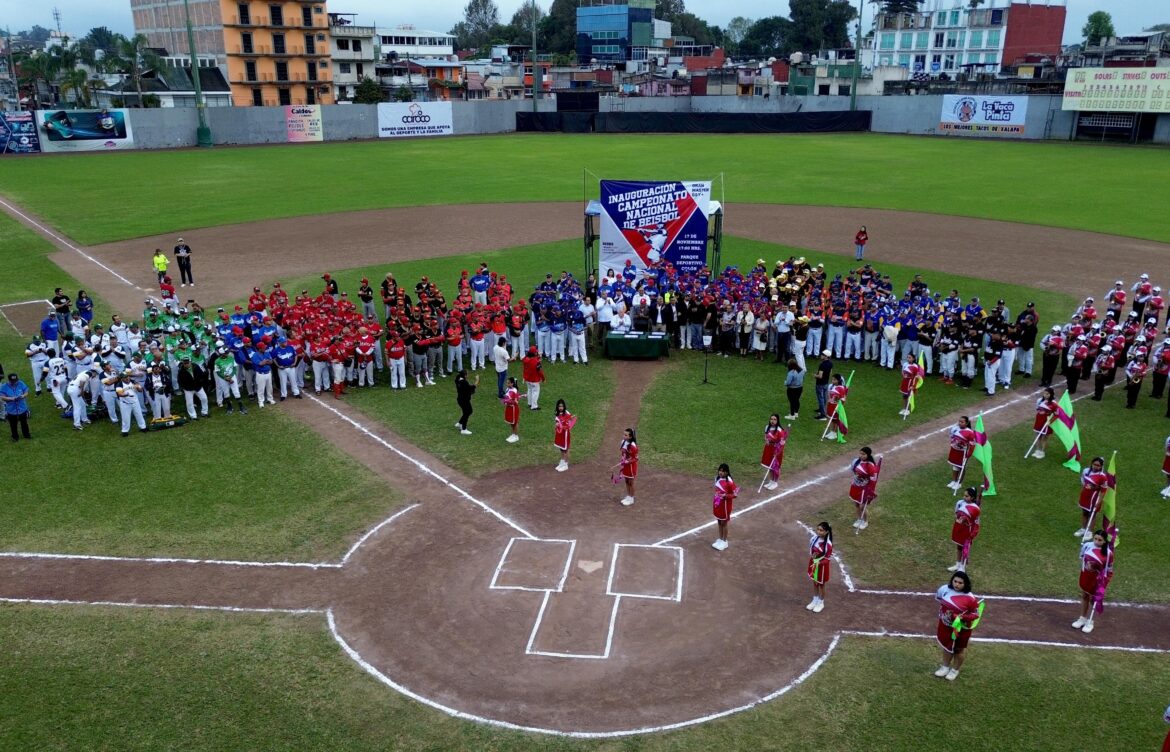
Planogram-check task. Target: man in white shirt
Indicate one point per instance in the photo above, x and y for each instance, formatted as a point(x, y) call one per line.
point(77, 390)
point(500, 358)
point(605, 311)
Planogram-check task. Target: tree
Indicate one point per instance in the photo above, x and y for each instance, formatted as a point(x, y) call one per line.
point(1159, 27)
point(98, 48)
point(520, 27)
point(1098, 27)
point(899, 6)
point(767, 37)
point(690, 25)
point(136, 58)
point(368, 92)
point(403, 94)
point(35, 69)
point(670, 10)
point(76, 81)
point(481, 18)
point(820, 24)
point(737, 28)
point(37, 35)
point(558, 30)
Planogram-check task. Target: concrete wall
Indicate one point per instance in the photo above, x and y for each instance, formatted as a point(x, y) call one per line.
point(174, 128)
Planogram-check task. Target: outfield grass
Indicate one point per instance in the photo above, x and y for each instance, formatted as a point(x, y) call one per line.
point(1026, 544)
point(105, 678)
point(948, 176)
point(730, 416)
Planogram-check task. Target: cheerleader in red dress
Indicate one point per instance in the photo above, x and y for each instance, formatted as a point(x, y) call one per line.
point(563, 433)
point(820, 560)
point(1094, 481)
point(838, 392)
point(965, 528)
point(863, 489)
point(911, 372)
point(1166, 470)
point(726, 490)
point(962, 444)
point(1096, 572)
point(1166, 718)
point(629, 464)
point(512, 409)
point(1045, 413)
point(955, 602)
point(775, 438)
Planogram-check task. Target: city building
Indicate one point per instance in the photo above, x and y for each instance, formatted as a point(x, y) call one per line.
point(271, 53)
point(951, 37)
point(354, 52)
point(617, 31)
point(171, 85)
point(1148, 50)
point(422, 61)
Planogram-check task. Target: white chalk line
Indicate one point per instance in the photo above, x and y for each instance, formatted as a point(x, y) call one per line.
point(1011, 641)
point(604, 655)
point(560, 586)
point(215, 562)
point(384, 679)
point(426, 469)
point(678, 573)
point(135, 604)
point(46, 231)
point(11, 323)
point(837, 558)
point(23, 302)
point(1021, 598)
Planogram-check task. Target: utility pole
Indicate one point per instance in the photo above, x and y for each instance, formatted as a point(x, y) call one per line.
point(856, 60)
point(535, 69)
point(203, 132)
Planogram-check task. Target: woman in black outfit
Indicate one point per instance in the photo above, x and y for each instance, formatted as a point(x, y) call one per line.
point(463, 391)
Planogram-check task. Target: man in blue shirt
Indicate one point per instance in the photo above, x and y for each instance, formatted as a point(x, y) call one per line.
point(13, 393)
point(479, 286)
point(262, 366)
point(285, 356)
point(51, 329)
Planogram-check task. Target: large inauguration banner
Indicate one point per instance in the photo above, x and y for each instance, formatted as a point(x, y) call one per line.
point(1001, 116)
point(84, 130)
point(399, 120)
point(647, 222)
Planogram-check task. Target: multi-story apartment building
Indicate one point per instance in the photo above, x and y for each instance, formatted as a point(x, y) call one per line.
point(949, 36)
point(420, 60)
point(355, 51)
point(272, 52)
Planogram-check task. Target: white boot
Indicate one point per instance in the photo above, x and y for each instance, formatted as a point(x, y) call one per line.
point(627, 501)
point(1038, 454)
point(1080, 622)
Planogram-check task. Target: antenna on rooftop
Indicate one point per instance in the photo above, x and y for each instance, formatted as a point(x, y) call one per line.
point(57, 18)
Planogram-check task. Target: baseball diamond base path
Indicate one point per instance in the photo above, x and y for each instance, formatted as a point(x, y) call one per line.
point(531, 598)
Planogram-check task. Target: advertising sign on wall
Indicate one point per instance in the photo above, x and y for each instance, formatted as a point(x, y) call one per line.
point(303, 122)
point(84, 130)
point(990, 115)
point(18, 133)
point(1117, 90)
point(649, 222)
point(403, 119)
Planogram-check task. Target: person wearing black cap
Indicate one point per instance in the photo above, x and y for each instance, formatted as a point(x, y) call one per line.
point(1027, 330)
point(13, 393)
point(463, 391)
point(366, 295)
point(183, 256)
point(330, 284)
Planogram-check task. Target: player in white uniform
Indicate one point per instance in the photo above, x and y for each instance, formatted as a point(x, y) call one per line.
point(128, 403)
point(77, 390)
point(57, 375)
point(37, 354)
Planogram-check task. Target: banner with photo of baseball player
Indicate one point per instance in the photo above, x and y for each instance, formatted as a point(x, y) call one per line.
point(650, 221)
point(85, 130)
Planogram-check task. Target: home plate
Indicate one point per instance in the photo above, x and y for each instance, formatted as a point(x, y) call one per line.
point(589, 566)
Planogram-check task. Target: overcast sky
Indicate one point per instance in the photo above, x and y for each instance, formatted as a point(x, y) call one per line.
point(78, 16)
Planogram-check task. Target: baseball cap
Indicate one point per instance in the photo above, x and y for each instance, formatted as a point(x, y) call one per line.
point(13, 377)
point(826, 353)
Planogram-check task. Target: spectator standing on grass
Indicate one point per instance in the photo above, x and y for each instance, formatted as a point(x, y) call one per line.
point(463, 391)
point(14, 393)
point(62, 305)
point(51, 330)
point(794, 386)
point(160, 262)
point(500, 360)
point(823, 374)
point(84, 306)
point(859, 241)
point(191, 380)
point(183, 256)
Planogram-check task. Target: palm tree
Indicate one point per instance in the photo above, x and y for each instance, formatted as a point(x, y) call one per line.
point(35, 68)
point(77, 81)
point(137, 58)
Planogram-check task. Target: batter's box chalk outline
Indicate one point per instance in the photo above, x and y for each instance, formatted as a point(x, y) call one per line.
point(572, 547)
point(678, 573)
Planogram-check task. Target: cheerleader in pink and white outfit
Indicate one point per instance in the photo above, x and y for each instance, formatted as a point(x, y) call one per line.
point(775, 439)
point(726, 489)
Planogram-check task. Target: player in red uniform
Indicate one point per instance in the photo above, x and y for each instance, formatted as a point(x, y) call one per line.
point(958, 615)
point(1166, 469)
point(563, 433)
point(726, 489)
point(911, 372)
point(962, 444)
point(629, 464)
point(775, 438)
point(863, 489)
point(838, 393)
point(1096, 572)
point(820, 558)
point(511, 403)
point(1093, 484)
point(965, 528)
point(1045, 413)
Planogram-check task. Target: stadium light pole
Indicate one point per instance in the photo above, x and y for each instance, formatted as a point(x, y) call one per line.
point(203, 132)
point(534, 69)
point(856, 59)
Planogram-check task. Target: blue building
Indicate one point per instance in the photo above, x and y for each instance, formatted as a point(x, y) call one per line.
point(615, 32)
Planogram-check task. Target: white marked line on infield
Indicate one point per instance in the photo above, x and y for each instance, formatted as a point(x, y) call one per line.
point(1010, 641)
point(617, 601)
point(46, 231)
point(15, 328)
point(422, 466)
point(678, 572)
point(1021, 598)
point(134, 604)
point(216, 562)
point(560, 586)
point(837, 558)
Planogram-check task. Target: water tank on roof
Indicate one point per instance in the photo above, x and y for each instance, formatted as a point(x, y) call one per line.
point(797, 58)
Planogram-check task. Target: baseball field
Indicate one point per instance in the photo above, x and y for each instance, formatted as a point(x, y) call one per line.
point(355, 574)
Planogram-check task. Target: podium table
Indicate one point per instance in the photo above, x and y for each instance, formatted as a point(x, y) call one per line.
point(639, 345)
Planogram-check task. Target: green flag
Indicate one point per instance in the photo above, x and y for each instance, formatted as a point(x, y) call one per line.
point(842, 418)
point(982, 453)
point(1109, 503)
point(1064, 425)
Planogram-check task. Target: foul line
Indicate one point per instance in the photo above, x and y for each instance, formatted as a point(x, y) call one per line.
point(837, 558)
point(217, 562)
point(131, 604)
point(1011, 641)
point(46, 231)
point(1021, 598)
point(422, 466)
